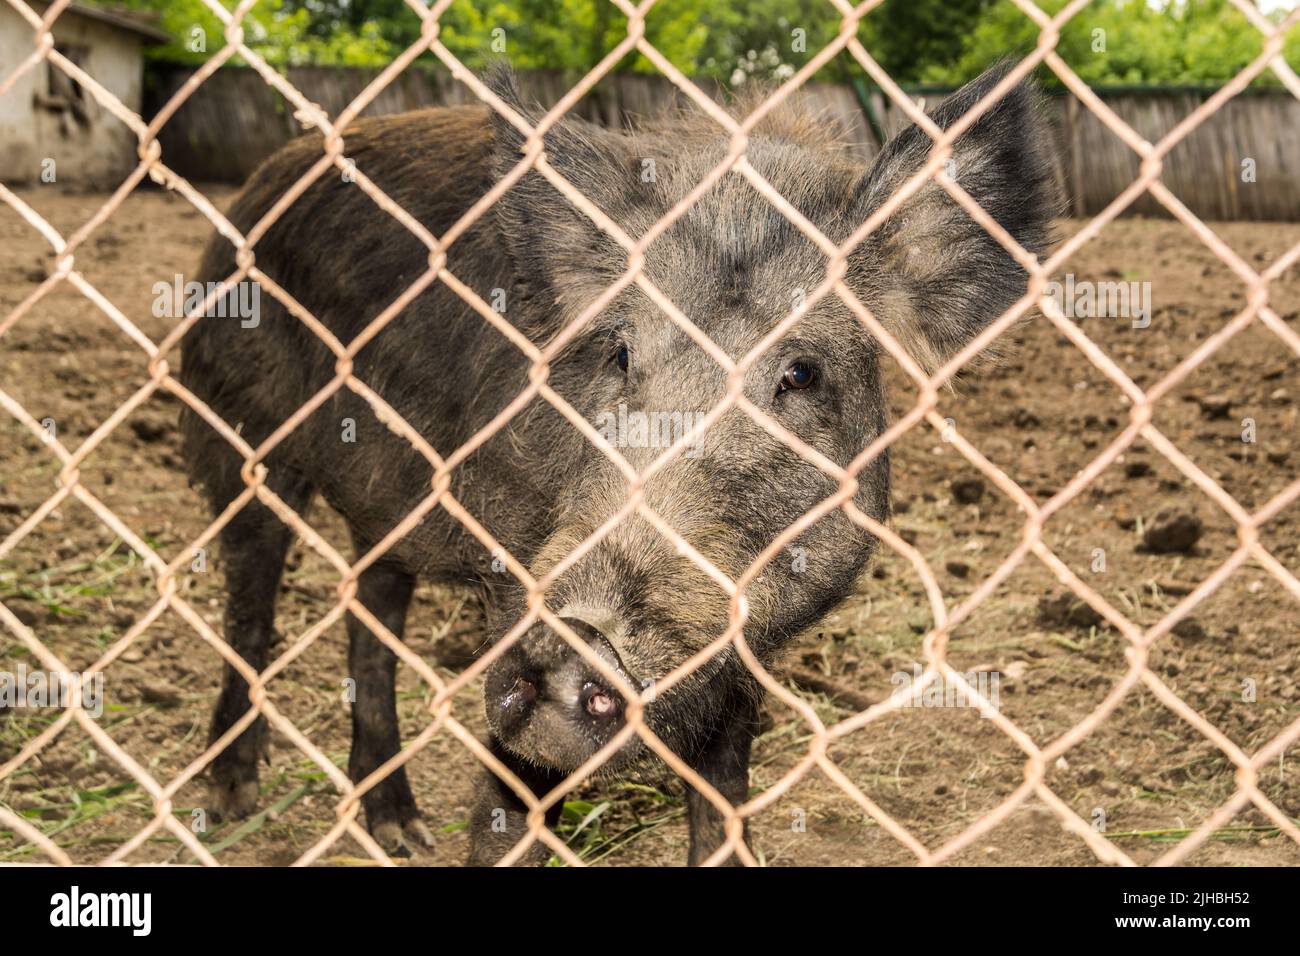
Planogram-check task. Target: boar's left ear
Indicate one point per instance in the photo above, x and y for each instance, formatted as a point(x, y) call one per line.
point(557, 249)
point(930, 273)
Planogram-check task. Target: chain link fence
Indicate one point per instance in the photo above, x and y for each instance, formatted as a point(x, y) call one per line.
point(1037, 760)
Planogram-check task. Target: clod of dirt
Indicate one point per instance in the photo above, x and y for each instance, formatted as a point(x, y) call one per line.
point(1066, 610)
point(967, 491)
point(1016, 670)
point(1023, 418)
point(37, 273)
point(958, 569)
point(156, 692)
point(837, 693)
point(1214, 406)
point(1189, 629)
point(26, 613)
point(57, 763)
point(150, 430)
point(1172, 532)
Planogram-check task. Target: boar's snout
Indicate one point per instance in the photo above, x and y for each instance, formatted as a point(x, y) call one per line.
point(547, 704)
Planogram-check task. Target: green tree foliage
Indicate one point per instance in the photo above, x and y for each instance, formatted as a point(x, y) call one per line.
point(1123, 42)
point(933, 42)
point(281, 31)
point(906, 38)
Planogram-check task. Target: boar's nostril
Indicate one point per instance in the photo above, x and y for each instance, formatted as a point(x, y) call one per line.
point(522, 691)
point(598, 702)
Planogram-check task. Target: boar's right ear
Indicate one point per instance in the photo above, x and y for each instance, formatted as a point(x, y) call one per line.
point(556, 249)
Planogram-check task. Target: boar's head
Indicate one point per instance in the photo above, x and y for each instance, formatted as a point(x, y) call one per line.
point(735, 266)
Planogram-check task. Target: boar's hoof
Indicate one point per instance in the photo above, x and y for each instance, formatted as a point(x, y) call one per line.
point(417, 833)
point(397, 839)
point(232, 799)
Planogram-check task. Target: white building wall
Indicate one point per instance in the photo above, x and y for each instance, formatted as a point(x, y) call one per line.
point(96, 154)
point(17, 124)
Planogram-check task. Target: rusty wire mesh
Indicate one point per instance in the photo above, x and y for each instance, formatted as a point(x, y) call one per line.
point(254, 473)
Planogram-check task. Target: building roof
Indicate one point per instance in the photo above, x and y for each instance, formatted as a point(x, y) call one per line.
point(130, 21)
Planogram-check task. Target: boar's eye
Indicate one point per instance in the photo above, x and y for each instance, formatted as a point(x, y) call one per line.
point(797, 376)
point(620, 358)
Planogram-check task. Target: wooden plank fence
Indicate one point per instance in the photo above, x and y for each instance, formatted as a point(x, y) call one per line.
point(1242, 163)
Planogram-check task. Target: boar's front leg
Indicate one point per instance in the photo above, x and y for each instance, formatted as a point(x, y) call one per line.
point(391, 814)
point(500, 819)
point(724, 763)
point(253, 549)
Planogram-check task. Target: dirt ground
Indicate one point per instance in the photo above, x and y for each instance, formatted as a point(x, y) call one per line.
point(1040, 416)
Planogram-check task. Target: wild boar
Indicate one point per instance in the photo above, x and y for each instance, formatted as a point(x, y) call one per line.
point(733, 264)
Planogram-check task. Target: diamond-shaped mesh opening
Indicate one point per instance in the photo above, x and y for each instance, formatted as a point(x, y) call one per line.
point(804, 744)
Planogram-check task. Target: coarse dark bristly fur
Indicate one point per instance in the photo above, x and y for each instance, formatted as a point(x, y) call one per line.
point(733, 264)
